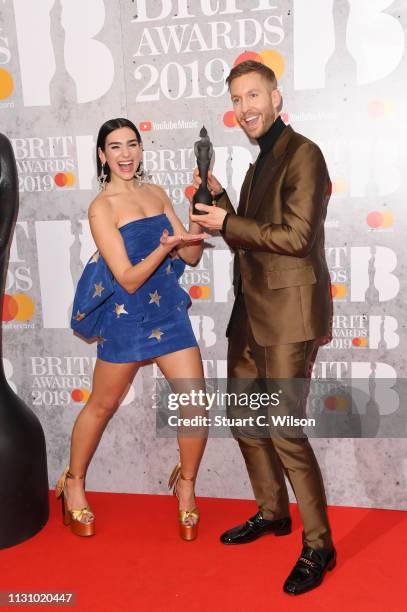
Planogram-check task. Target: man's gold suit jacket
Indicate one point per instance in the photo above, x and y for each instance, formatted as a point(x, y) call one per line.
point(277, 234)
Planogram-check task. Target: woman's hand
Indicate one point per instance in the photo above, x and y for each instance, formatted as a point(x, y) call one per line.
point(181, 239)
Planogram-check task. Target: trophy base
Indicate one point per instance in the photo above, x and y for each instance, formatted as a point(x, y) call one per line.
point(202, 196)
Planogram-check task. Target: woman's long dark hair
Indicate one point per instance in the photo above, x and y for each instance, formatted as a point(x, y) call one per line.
point(106, 128)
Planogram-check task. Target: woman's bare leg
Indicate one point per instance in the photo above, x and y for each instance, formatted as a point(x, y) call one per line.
point(110, 383)
point(184, 365)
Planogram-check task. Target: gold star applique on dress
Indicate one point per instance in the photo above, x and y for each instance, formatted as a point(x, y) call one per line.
point(95, 257)
point(156, 333)
point(168, 269)
point(101, 341)
point(119, 310)
point(155, 298)
point(98, 289)
point(79, 316)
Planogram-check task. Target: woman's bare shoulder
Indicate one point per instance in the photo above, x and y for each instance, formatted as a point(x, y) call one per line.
point(101, 205)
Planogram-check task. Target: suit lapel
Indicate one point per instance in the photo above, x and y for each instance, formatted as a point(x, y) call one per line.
point(267, 173)
point(245, 190)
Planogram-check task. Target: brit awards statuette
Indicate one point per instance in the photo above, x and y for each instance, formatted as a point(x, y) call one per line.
point(203, 151)
point(23, 458)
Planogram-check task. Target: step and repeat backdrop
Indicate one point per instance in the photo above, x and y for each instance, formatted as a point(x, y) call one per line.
point(66, 66)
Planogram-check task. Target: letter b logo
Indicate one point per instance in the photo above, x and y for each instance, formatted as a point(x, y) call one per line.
point(89, 62)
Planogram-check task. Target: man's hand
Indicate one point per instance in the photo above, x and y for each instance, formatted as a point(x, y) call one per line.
point(213, 184)
point(213, 220)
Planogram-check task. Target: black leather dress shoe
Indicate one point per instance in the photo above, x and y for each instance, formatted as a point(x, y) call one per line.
point(309, 571)
point(254, 528)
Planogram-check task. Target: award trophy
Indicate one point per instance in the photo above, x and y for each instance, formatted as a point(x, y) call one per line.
point(203, 151)
point(23, 458)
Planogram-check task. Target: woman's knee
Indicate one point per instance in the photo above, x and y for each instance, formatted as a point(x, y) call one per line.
point(103, 407)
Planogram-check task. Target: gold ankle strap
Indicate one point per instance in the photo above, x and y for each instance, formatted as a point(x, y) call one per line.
point(70, 475)
point(177, 474)
point(192, 479)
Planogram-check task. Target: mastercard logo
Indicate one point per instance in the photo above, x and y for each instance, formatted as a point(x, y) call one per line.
point(336, 403)
point(229, 119)
point(18, 307)
point(6, 84)
point(271, 58)
point(377, 219)
point(380, 108)
point(80, 396)
point(200, 292)
point(189, 191)
point(64, 179)
point(359, 342)
point(145, 126)
point(339, 291)
point(339, 186)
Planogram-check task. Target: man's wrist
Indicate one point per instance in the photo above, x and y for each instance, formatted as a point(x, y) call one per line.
point(224, 224)
point(218, 196)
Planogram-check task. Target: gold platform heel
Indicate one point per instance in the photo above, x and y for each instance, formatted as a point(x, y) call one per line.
point(186, 531)
point(74, 518)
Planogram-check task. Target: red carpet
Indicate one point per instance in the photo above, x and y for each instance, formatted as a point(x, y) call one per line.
point(137, 562)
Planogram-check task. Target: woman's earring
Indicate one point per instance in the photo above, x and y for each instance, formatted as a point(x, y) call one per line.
point(102, 177)
point(141, 175)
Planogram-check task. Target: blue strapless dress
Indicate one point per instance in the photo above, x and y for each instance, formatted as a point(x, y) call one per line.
point(153, 320)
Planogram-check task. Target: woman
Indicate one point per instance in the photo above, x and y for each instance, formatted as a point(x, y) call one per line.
point(146, 317)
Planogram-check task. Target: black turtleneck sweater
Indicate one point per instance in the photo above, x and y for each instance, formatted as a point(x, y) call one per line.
point(266, 143)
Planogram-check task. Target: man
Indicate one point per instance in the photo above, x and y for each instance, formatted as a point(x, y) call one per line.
point(282, 309)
